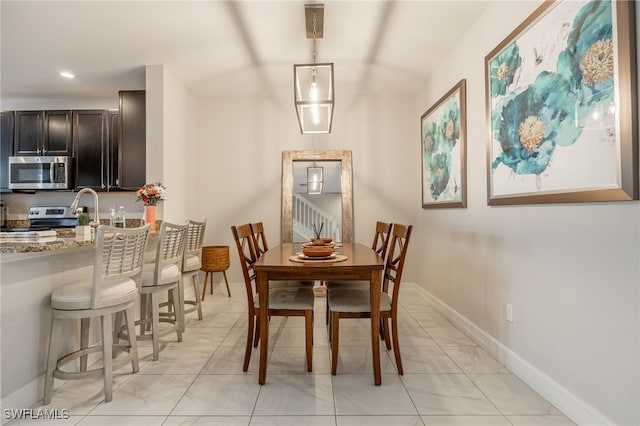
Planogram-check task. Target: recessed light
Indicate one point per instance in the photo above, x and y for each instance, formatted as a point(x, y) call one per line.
point(66, 74)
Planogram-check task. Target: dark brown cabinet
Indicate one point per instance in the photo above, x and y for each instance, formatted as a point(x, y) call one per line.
point(114, 138)
point(132, 140)
point(92, 153)
point(109, 147)
point(42, 133)
point(6, 146)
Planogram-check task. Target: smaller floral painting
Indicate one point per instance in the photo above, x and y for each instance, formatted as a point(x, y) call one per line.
point(561, 108)
point(443, 133)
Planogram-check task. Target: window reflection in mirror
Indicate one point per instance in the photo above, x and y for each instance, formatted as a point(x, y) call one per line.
point(317, 200)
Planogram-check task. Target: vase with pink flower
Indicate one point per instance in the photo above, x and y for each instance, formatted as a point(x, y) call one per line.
point(150, 194)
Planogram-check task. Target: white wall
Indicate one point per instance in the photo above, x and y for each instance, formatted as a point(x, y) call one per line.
point(170, 144)
point(240, 144)
point(570, 271)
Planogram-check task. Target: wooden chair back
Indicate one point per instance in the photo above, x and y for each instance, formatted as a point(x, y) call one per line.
point(243, 237)
point(259, 239)
point(394, 265)
point(381, 238)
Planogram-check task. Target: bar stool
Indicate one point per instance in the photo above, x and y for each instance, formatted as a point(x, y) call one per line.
point(191, 264)
point(164, 275)
point(215, 259)
point(117, 267)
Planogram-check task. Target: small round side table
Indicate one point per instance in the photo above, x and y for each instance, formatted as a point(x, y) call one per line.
point(214, 259)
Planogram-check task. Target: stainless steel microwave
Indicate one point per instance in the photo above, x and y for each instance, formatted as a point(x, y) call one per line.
point(40, 172)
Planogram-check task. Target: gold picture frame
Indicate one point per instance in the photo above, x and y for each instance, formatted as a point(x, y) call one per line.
point(561, 104)
point(443, 130)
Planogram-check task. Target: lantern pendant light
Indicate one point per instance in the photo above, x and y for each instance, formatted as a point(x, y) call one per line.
point(313, 83)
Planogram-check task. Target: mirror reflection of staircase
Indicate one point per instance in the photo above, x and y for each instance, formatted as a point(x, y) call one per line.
point(306, 214)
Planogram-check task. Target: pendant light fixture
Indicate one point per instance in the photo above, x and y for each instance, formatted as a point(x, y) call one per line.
point(313, 83)
point(315, 180)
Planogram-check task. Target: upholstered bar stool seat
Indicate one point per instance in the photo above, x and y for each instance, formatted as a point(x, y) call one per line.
point(191, 263)
point(113, 290)
point(79, 295)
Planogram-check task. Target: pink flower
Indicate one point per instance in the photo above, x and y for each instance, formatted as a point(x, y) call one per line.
point(151, 193)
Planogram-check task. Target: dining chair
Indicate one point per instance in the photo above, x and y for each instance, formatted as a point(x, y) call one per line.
point(261, 247)
point(380, 245)
point(287, 301)
point(163, 277)
point(117, 268)
point(355, 303)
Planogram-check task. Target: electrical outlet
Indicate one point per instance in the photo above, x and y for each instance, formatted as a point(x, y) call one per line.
point(509, 312)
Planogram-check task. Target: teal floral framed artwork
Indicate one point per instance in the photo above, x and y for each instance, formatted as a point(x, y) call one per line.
point(561, 102)
point(443, 130)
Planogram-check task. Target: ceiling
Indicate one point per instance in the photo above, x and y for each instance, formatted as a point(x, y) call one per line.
point(222, 48)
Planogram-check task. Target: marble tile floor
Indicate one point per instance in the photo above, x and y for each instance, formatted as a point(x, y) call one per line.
point(448, 379)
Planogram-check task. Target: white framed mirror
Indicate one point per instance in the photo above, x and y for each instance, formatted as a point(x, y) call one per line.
point(316, 191)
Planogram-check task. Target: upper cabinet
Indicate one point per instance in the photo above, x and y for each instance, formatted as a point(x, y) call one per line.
point(132, 144)
point(43, 133)
point(6, 146)
point(91, 142)
point(108, 147)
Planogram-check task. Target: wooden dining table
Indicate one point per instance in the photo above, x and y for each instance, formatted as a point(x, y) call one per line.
point(361, 263)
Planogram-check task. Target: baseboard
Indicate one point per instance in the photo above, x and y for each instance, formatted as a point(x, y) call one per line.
point(573, 407)
point(25, 397)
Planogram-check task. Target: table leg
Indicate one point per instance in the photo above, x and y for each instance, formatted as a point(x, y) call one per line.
point(375, 324)
point(263, 295)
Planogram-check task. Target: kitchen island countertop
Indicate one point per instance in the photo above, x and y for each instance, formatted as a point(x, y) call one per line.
point(65, 238)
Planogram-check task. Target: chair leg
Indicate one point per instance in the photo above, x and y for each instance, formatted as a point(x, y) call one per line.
point(133, 344)
point(335, 337)
point(247, 349)
point(116, 331)
point(182, 318)
point(224, 273)
point(256, 335)
point(396, 345)
point(196, 292)
point(52, 361)
point(155, 319)
point(143, 313)
point(326, 317)
point(179, 309)
point(385, 332)
point(107, 359)
point(84, 341)
point(308, 334)
point(204, 286)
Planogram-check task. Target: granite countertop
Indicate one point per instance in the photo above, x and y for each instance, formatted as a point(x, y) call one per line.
point(65, 238)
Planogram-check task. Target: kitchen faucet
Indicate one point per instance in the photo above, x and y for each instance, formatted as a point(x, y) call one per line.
point(74, 204)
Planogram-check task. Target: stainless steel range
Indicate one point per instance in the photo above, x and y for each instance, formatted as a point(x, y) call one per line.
point(45, 218)
point(53, 217)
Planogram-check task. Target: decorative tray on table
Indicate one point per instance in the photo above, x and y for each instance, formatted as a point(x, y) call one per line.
point(305, 257)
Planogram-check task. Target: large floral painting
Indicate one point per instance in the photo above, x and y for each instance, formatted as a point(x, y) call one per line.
point(443, 129)
point(561, 102)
